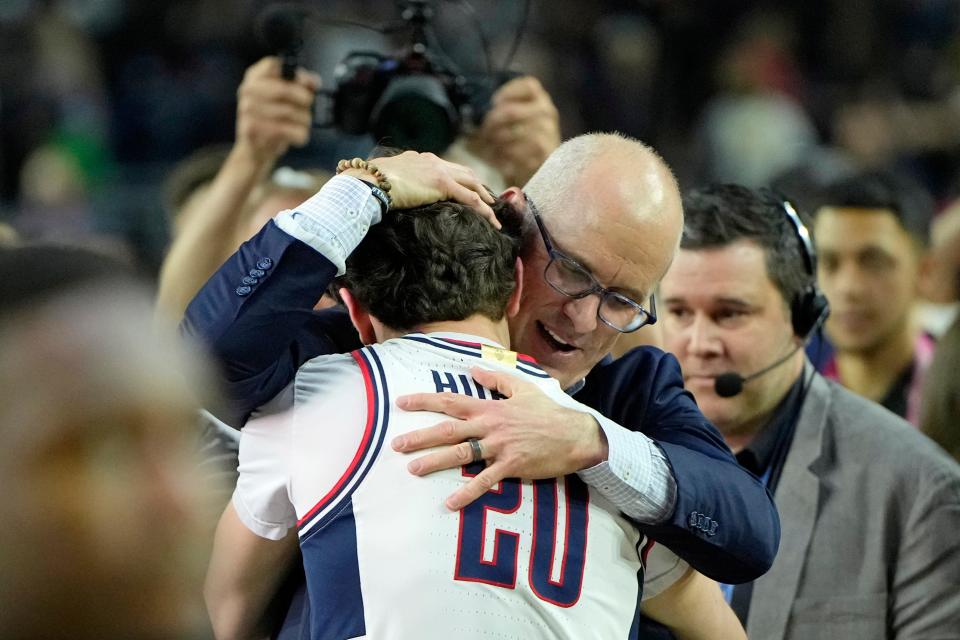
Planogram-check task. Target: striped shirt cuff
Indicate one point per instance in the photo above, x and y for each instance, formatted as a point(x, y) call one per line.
point(636, 476)
point(334, 220)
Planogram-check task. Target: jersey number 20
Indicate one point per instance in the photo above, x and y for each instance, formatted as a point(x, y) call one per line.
point(501, 570)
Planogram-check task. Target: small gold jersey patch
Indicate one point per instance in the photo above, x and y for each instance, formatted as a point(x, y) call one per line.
point(503, 356)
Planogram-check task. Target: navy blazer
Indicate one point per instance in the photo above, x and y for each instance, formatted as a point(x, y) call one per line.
point(256, 315)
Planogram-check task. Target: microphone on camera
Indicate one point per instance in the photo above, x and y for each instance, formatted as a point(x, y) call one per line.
point(280, 29)
point(730, 383)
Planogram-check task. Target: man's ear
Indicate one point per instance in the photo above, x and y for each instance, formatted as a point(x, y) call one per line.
point(513, 195)
point(513, 302)
point(359, 316)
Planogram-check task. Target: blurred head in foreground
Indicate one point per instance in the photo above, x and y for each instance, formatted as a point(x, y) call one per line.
point(99, 520)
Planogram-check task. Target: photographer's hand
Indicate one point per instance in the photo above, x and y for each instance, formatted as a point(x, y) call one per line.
point(422, 178)
point(272, 113)
point(521, 129)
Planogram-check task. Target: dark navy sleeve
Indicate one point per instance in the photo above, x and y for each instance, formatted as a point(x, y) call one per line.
point(256, 317)
point(725, 523)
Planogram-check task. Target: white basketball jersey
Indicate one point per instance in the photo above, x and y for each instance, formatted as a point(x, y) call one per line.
point(385, 559)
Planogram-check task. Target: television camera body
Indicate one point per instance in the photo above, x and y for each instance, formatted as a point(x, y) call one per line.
point(417, 98)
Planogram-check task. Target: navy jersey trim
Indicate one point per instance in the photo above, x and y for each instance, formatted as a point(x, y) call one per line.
point(473, 350)
point(334, 590)
point(378, 415)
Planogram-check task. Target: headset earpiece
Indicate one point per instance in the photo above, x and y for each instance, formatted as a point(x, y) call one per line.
point(808, 309)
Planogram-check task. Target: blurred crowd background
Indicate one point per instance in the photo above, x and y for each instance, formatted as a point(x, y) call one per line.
point(100, 98)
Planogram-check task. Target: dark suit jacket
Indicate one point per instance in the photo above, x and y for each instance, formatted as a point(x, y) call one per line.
point(724, 524)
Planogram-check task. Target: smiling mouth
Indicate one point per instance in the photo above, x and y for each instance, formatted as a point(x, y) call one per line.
point(553, 339)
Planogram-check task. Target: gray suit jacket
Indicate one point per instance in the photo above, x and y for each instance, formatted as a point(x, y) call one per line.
point(870, 514)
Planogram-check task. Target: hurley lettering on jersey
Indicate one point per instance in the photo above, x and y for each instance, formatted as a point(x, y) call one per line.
point(462, 384)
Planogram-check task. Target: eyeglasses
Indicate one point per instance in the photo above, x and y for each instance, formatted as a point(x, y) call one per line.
point(572, 279)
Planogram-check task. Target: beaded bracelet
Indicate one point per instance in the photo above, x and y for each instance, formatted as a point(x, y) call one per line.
point(359, 163)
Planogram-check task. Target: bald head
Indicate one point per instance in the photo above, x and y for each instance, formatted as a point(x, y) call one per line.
point(614, 186)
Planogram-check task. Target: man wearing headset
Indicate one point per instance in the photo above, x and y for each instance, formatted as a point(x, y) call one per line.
point(869, 507)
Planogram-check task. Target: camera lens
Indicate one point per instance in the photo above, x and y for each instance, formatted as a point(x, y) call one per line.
point(414, 112)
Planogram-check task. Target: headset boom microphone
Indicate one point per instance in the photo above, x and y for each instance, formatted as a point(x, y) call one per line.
point(731, 383)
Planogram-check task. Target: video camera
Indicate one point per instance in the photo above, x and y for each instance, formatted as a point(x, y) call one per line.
point(415, 99)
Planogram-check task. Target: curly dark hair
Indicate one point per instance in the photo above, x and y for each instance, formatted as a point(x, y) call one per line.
point(434, 263)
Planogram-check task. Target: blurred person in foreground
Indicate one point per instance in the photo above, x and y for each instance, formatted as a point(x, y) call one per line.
point(871, 231)
point(609, 224)
point(940, 272)
point(940, 414)
point(940, 407)
point(869, 507)
point(430, 290)
point(273, 115)
point(101, 523)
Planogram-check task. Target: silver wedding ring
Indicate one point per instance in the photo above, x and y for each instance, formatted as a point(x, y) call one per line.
point(476, 449)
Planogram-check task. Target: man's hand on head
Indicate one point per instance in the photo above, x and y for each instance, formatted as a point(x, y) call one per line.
point(521, 129)
point(274, 114)
point(526, 435)
point(418, 179)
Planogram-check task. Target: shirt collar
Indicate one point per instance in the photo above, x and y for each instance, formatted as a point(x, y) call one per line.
point(575, 387)
point(768, 446)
